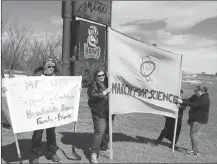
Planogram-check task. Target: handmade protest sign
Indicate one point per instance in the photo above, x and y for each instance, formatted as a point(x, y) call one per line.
point(143, 78)
point(42, 102)
point(4, 105)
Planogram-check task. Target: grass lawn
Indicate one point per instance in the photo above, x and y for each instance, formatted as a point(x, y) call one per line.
point(132, 137)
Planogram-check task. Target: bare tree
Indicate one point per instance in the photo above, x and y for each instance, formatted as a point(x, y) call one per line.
point(4, 22)
point(15, 48)
point(40, 50)
point(21, 51)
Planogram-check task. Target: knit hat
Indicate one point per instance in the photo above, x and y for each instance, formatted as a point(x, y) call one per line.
point(49, 61)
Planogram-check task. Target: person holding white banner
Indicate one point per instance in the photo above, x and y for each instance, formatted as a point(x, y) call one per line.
point(56, 70)
point(198, 115)
point(98, 102)
point(48, 70)
point(168, 130)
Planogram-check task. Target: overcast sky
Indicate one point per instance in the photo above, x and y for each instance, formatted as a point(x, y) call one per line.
point(184, 27)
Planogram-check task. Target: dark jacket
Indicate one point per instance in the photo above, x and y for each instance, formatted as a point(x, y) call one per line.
point(97, 102)
point(181, 110)
point(199, 111)
point(170, 123)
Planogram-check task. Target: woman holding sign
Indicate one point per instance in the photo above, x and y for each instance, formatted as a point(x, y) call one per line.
point(98, 102)
point(47, 70)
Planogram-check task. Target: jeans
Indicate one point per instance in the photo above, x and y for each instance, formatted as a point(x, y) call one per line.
point(101, 133)
point(195, 127)
point(36, 142)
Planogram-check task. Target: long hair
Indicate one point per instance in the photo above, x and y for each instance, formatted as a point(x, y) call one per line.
point(96, 72)
point(106, 77)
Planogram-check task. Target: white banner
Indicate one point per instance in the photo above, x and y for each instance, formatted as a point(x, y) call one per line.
point(42, 102)
point(4, 106)
point(144, 79)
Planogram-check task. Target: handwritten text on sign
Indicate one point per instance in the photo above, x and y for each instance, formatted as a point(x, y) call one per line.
point(42, 102)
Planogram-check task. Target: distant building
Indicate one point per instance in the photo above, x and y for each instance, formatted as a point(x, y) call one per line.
point(194, 75)
point(188, 75)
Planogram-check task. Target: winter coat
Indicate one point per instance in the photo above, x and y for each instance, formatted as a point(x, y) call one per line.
point(199, 110)
point(98, 102)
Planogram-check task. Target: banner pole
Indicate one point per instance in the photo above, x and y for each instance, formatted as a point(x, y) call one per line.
point(110, 137)
point(75, 127)
point(175, 128)
point(18, 148)
point(78, 157)
point(110, 111)
point(174, 135)
point(73, 147)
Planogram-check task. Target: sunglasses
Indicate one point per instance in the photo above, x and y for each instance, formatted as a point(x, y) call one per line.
point(50, 67)
point(100, 75)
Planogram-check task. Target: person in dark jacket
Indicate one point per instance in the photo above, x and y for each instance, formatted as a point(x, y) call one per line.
point(168, 130)
point(48, 70)
point(198, 115)
point(98, 102)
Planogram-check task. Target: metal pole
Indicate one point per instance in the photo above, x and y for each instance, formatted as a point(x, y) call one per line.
point(66, 15)
point(18, 148)
point(175, 128)
point(110, 110)
point(73, 43)
point(174, 134)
